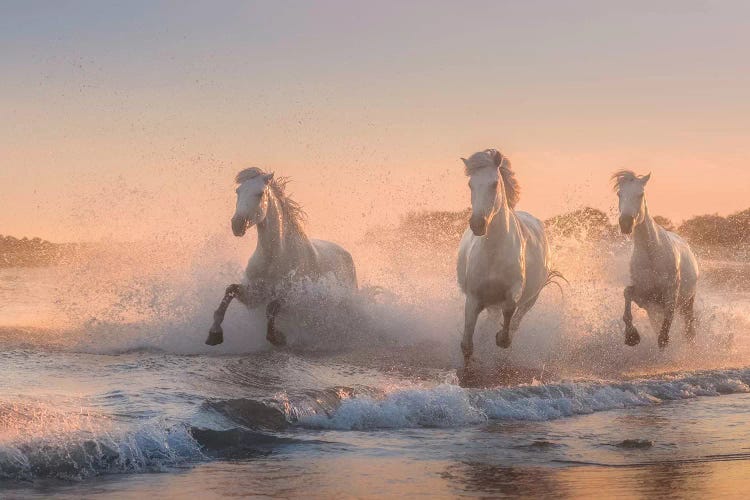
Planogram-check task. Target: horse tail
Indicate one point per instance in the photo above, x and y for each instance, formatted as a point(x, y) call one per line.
point(553, 278)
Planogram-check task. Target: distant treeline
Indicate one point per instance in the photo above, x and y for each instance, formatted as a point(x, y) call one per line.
point(443, 227)
point(592, 223)
point(34, 252)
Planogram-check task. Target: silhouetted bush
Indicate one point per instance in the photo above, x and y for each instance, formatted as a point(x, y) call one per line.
point(443, 227)
point(664, 222)
point(34, 252)
point(707, 230)
point(739, 226)
point(586, 223)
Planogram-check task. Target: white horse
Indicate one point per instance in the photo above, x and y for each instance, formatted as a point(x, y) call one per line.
point(283, 253)
point(663, 270)
point(503, 258)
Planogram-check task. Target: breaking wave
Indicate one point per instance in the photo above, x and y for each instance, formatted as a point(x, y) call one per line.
point(453, 406)
point(42, 442)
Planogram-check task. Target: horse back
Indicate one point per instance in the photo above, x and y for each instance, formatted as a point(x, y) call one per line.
point(537, 247)
point(333, 258)
point(689, 271)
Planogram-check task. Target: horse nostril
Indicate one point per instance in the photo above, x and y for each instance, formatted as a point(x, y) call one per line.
point(626, 224)
point(478, 225)
point(238, 226)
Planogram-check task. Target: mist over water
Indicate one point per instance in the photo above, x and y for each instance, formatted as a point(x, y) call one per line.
point(108, 370)
point(160, 295)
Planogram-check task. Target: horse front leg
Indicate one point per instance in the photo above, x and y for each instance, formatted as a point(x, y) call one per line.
point(471, 313)
point(670, 303)
point(502, 339)
point(273, 335)
point(631, 333)
point(216, 333)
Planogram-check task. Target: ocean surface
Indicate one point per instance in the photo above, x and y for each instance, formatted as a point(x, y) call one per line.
point(107, 389)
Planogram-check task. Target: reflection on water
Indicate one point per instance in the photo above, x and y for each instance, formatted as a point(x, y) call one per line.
point(698, 451)
point(328, 476)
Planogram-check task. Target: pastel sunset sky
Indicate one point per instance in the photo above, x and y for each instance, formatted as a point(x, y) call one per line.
point(124, 119)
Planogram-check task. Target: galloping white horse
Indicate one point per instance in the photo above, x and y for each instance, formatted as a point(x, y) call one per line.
point(663, 269)
point(503, 258)
point(283, 254)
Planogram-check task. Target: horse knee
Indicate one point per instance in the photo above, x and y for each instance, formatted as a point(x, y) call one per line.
point(628, 293)
point(687, 306)
point(272, 309)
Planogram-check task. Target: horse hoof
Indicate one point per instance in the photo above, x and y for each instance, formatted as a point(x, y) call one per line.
point(502, 340)
point(631, 336)
point(215, 336)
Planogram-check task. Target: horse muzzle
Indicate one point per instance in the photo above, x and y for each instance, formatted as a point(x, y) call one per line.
point(626, 224)
point(239, 226)
point(478, 225)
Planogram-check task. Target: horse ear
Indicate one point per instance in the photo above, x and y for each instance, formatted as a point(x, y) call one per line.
point(268, 177)
point(645, 178)
point(466, 162)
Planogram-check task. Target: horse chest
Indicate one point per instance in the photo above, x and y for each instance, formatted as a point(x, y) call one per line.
point(651, 279)
point(494, 283)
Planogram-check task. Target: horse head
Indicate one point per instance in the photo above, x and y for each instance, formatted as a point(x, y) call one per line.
point(252, 199)
point(631, 191)
point(487, 184)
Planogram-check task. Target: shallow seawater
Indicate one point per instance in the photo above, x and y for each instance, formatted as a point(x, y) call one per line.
point(126, 401)
point(164, 425)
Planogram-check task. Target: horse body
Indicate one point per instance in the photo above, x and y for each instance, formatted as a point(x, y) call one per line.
point(504, 257)
point(663, 269)
point(284, 253)
point(488, 266)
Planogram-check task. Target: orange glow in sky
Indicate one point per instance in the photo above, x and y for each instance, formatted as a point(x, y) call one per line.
point(120, 122)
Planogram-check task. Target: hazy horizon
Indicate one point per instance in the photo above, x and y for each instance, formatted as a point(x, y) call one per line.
point(125, 120)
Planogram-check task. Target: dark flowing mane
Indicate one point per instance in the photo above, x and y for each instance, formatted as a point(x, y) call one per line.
point(494, 158)
point(292, 212)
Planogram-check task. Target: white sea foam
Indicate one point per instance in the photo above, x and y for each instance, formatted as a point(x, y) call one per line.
point(452, 406)
point(74, 454)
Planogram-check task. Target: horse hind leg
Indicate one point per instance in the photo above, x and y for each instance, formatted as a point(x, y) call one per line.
point(669, 309)
point(515, 323)
point(688, 315)
point(274, 336)
point(503, 338)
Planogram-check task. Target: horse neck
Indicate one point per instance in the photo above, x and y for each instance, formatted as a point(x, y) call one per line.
point(502, 226)
point(277, 238)
point(646, 234)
